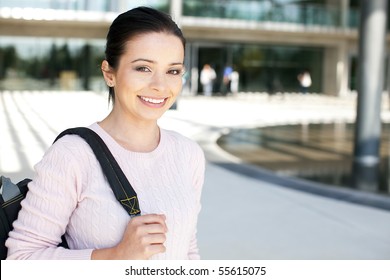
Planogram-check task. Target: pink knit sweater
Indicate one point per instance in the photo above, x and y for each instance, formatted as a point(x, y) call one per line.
point(70, 194)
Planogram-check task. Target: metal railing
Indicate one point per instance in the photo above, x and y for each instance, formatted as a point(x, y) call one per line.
point(267, 11)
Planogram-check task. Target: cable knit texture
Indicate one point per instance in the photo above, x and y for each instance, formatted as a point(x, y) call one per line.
point(70, 194)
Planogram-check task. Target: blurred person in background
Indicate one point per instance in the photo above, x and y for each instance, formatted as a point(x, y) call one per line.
point(305, 82)
point(207, 77)
point(226, 80)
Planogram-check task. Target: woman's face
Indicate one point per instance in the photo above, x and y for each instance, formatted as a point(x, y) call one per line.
point(149, 76)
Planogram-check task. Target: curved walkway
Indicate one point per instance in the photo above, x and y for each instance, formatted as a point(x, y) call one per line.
point(219, 115)
point(252, 214)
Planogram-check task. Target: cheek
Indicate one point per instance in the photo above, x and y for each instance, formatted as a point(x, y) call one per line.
point(130, 82)
point(176, 85)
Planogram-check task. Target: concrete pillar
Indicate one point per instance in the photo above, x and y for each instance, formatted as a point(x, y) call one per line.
point(194, 69)
point(343, 69)
point(372, 34)
point(336, 70)
point(388, 86)
point(86, 72)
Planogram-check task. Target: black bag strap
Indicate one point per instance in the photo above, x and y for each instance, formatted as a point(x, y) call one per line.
point(121, 187)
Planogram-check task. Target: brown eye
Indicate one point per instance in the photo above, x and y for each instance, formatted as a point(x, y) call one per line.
point(175, 71)
point(142, 69)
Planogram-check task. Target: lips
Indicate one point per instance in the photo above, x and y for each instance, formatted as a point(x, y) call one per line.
point(154, 102)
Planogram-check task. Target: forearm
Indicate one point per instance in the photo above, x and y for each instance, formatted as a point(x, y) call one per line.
point(103, 254)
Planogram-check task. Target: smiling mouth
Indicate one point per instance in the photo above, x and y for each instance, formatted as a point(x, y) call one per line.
point(153, 100)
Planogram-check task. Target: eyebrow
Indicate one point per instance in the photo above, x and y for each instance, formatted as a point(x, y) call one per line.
point(154, 62)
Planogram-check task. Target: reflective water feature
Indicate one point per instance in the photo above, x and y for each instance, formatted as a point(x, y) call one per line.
point(317, 152)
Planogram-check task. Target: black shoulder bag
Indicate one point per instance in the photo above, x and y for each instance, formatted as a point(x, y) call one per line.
point(11, 194)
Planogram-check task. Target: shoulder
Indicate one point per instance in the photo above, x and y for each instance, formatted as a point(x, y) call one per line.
point(70, 147)
point(73, 142)
point(178, 138)
point(181, 143)
point(69, 143)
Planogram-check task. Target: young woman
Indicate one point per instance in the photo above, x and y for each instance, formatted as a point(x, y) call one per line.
point(143, 69)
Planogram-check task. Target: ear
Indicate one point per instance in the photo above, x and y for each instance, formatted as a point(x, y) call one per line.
point(108, 73)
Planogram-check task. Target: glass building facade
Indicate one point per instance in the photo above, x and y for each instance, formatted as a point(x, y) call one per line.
point(298, 12)
point(50, 64)
point(264, 68)
point(292, 36)
point(56, 63)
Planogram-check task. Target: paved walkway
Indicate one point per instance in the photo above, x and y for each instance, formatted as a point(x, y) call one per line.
point(243, 217)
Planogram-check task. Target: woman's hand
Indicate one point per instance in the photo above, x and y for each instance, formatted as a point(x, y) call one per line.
point(143, 238)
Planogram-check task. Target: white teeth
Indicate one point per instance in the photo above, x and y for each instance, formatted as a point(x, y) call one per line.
point(152, 100)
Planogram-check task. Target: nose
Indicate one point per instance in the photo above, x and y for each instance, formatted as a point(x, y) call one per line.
point(158, 82)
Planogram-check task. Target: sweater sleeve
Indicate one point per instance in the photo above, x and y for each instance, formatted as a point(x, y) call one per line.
point(198, 180)
point(50, 201)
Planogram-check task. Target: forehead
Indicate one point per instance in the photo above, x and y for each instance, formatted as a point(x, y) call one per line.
point(155, 45)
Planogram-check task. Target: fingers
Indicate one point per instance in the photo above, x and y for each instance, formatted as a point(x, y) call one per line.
point(153, 229)
point(153, 244)
point(151, 218)
point(153, 249)
point(145, 235)
point(143, 238)
point(151, 223)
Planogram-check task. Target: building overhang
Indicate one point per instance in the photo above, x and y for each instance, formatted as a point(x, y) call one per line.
point(87, 24)
point(54, 23)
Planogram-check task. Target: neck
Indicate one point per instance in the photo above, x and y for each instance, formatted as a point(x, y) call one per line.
point(133, 136)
